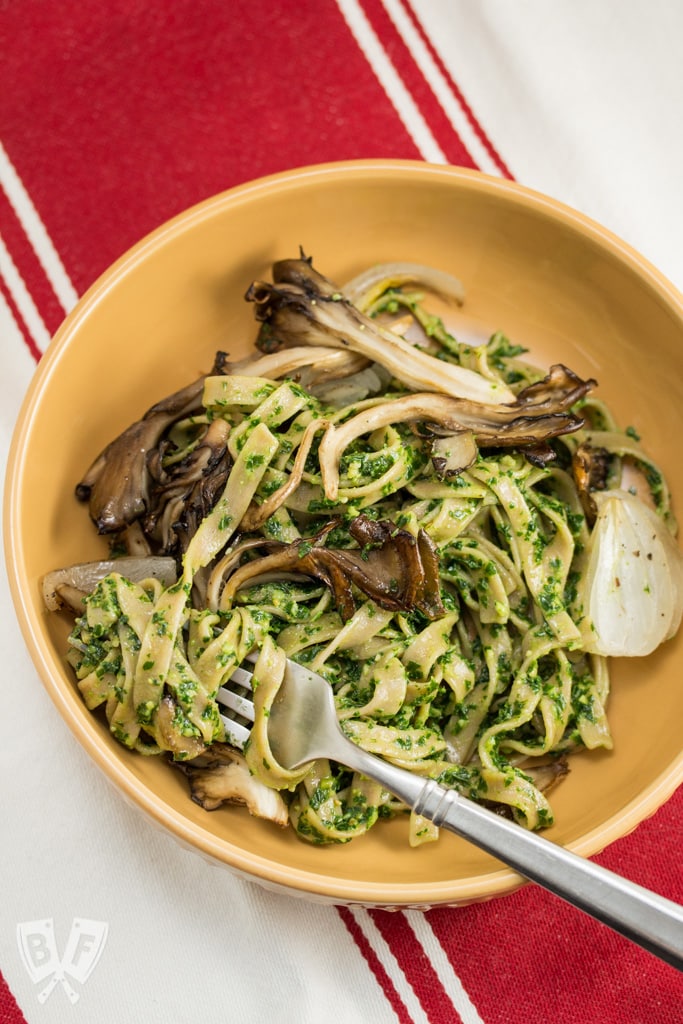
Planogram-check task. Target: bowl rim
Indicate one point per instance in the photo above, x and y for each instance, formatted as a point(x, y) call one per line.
point(296, 881)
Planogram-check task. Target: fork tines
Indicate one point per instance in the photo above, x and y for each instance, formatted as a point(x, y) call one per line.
point(238, 724)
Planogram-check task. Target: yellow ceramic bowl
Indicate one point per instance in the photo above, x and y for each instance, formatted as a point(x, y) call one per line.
point(554, 281)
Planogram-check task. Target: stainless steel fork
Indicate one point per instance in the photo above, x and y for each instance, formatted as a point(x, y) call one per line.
point(303, 726)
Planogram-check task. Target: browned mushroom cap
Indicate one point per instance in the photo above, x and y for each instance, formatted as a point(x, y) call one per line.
point(559, 390)
point(589, 467)
point(222, 776)
point(394, 558)
point(117, 484)
point(186, 492)
point(398, 571)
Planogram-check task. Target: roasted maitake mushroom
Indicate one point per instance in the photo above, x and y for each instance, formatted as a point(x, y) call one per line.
point(222, 776)
point(303, 307)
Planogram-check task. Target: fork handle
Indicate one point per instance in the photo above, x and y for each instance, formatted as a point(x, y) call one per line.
point(646, 918)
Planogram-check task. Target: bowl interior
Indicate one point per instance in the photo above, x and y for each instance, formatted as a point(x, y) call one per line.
point(550, 280)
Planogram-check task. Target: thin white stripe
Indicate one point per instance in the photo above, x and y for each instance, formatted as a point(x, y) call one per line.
point(36, 232)
point(24, 302)
point(391, 82)
point(18, 368)
point(434, 952)
point(390, 964)
point(440, 87)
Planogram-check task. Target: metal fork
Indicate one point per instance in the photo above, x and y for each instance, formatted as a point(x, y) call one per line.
point(303, 726)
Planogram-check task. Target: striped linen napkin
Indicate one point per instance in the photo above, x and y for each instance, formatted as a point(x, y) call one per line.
point(115, 117)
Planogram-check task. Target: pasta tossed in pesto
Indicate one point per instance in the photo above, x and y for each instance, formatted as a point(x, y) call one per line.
point(411, 516)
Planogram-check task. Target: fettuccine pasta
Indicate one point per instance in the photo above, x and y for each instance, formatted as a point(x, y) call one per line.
point(483, 683)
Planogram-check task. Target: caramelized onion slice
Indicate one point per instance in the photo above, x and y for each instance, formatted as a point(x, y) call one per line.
point(61, 586)
point(371, 283)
